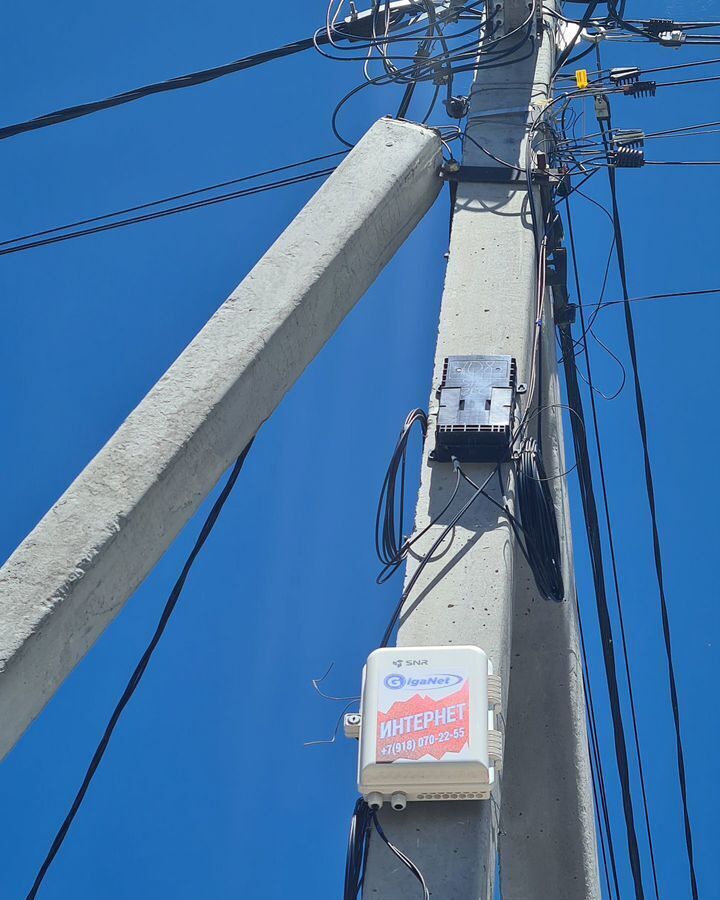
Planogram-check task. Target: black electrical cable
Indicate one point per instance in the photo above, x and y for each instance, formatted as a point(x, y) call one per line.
point(592, 527)
point(170, 199)
point(563, 57)
point(539, 521)
point(686, 162)
point(613, 556)
point(606, 129)
point(482, 57)
point(139, 671)
point(412, 581)
point(649, 297)
point(160, 214)
point(172, 84)
point(597, 769)
point(525, 537)
point(391, 545)
point(686, 81)
point(657, 550)
point(405, 860)
point(357, 850)
point(363, 819)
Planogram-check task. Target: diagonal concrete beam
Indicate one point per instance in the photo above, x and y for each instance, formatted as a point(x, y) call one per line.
point(72, 575)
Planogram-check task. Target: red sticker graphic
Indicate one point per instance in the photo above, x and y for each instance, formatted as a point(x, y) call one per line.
point(421, 726)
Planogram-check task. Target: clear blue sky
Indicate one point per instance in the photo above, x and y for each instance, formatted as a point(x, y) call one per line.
point(207, 790)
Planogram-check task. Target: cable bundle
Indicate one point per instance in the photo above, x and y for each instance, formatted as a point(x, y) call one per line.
point(357, 850)
point(539, 522)
point(390, 543)
point(445, 48)
point(362, 821)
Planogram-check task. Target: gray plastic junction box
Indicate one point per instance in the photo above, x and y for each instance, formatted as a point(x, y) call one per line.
point(477, 398)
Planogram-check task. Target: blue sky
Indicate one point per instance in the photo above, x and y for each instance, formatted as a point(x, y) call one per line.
point(207, 790)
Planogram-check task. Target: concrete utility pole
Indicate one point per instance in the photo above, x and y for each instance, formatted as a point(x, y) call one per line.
point(72, 575)
point(480, 591)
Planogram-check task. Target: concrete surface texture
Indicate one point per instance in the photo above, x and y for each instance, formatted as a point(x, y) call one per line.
point(74, 572)
point(479, 590)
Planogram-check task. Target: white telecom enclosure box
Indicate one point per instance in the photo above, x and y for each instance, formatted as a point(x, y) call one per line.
point(426, 728)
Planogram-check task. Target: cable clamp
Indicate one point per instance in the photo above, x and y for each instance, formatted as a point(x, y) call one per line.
point(500, 175)
point(657, 26)
point(667, 32)
point(627, 158)
point(581, 79)
point(565, 315)
point(628, 137)
point(556, 269)
point(622, 75)
point(675, 38)
point(641, 89)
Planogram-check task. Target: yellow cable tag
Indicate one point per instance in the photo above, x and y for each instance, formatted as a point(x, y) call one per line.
point(581, 77)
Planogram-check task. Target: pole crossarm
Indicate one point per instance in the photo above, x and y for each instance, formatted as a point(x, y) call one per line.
point(72, 575)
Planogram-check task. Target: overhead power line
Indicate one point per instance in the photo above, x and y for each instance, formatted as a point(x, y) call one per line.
point(203, 190)
point(606, 127)
point(613, 555)
point(138, 672)
point(344, 30)
point(595, 547)
point(656, 538)
point(159, 87)
point(59, 234)
point(648, 297)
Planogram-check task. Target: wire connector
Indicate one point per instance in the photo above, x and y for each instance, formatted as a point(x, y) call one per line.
point(628, 137)
point(627, 158)
point(622, 75)
point(641, 89)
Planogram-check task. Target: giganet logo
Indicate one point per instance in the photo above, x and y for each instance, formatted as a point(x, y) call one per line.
point(428, 683)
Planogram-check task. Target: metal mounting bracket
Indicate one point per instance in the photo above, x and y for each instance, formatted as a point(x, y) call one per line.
point(499, 175)
point(512, 13)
